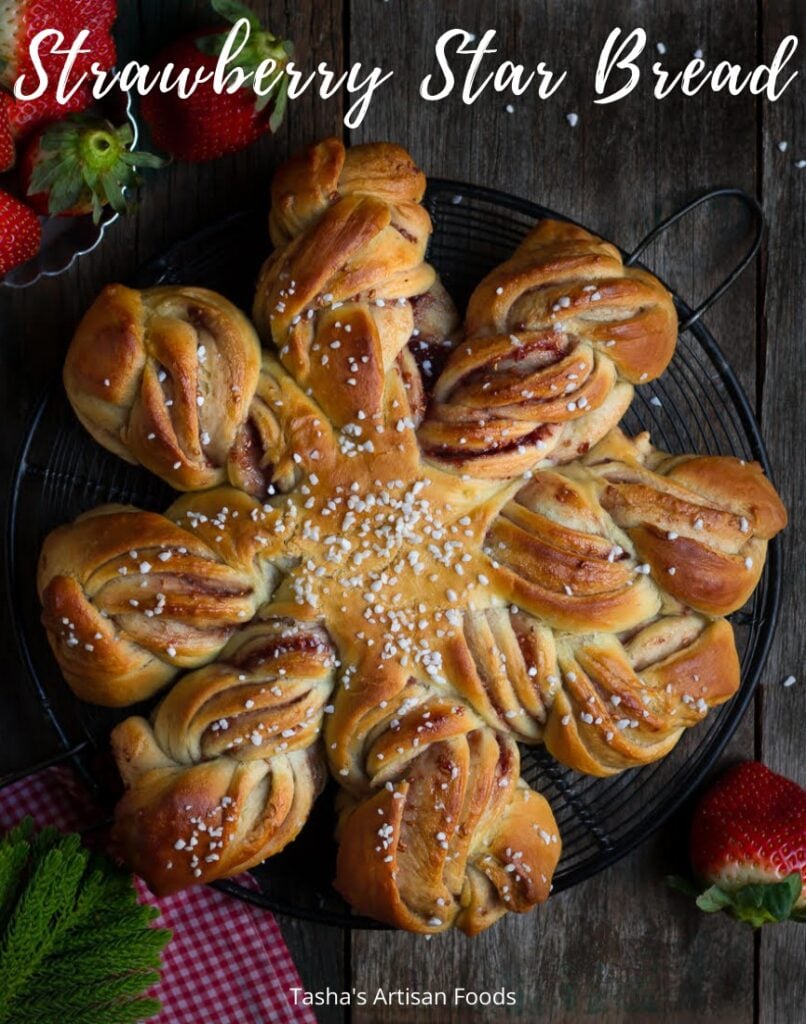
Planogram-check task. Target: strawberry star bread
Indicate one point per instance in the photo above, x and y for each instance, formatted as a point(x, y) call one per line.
point(435, 576)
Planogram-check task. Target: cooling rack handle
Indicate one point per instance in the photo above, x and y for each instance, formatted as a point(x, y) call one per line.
point(749, 202)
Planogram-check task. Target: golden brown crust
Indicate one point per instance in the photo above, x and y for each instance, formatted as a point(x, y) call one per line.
point(164, 377)
point(599, 703)
point(226, 773)
point(339, 297)
point(553, 340)
point(454, 838)
point(283, 421)
point(700, 523)
point(612, 569)
point(317, 176)
point(129, 597)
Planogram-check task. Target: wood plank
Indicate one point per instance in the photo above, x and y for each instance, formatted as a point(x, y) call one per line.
point(619, 947)
point(320, 953)
point(781, 949)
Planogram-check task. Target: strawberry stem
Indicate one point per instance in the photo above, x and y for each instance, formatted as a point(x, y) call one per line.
point(99, 149)
point(85, 162)
point(261, 46)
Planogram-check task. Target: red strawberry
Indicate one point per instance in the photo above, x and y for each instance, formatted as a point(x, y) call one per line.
point(20, 21)
point(748, 841)
point(207, 124)
point(8, 153)
point(79, 166)
point(25, 116)
point(20, 234)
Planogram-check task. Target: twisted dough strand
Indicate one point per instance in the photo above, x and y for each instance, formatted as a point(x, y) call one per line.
point(348, 286)
point(164, 378)
point(227, 771)
point(611, 644)
point(439, 830)
point(129, 597)
point(553, 341)
point(272, 452)
point(599, 703)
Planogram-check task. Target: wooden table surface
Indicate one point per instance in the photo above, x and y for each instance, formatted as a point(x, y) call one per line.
point(620, 947)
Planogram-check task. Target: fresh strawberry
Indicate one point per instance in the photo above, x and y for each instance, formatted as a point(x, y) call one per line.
point(79, 166)
point(20, 234)
point(748, 841)
point(207, 124)
point(20, 21)
point(8, 150)
point(25, 116)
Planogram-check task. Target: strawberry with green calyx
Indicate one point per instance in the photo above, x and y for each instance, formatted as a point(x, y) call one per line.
point(20, 233)
point(748, 842)
point(81, 165)
point(208, 124)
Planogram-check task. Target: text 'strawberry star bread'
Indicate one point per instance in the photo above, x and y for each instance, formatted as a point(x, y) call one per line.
point(436, 544)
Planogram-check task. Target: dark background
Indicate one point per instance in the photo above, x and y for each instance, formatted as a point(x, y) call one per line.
point(621, 947)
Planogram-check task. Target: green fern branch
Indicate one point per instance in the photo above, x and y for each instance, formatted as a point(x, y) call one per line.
point(75, 945)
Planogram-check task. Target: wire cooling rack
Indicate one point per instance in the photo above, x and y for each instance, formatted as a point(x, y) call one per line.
point(697, 406)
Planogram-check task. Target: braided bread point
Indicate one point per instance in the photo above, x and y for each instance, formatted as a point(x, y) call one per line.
point(286, 437)
point(600, 703)
point(628, 704)
point(164, 378)
point(554, 339)
point(700, 523)
point(129, 597)
point(613, 570)
point(610, 540)
point(340, 295)
point(225, 774)
point(437, 828)
point(272, 451)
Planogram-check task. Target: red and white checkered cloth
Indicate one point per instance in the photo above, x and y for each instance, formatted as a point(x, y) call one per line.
point(227, 962)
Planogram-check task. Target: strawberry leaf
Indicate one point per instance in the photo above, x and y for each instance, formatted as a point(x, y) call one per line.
point(143, 160)
point(83, 163)
point(280, 104)
point(713, 900)
point(43, 176)
point(232, 11)
point(756, 904)
point(767, 902)
point(65, 189)
point(113, 191)
point(211, 45)
point(261, 46)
